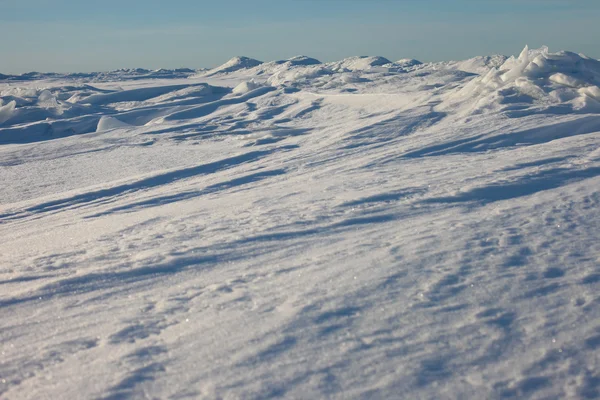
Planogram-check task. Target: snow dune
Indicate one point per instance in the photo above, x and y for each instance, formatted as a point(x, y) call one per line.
point(296, 229)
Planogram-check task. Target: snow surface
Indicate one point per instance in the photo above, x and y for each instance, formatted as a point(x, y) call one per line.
point(300, 230)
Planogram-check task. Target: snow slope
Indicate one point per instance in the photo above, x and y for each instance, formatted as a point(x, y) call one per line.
point(304, 232)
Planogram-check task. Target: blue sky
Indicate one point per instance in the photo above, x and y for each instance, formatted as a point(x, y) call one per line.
point(82, 35)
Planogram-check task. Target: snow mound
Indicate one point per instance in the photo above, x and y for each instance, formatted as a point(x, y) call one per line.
point(408, 62)
point(359, 63)
point(302, 60)
point(235, 64)
point(306, 74)
point(536, 80)
point(245, 87)
point(47, 100)
point(107, 123)
point(479, 65)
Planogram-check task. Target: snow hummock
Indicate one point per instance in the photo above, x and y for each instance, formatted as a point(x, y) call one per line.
point(408, 62)
point(301, 60)
point(235, 64)
point(479, 65)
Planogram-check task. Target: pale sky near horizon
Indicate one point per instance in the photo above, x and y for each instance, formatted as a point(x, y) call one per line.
point(81, 35)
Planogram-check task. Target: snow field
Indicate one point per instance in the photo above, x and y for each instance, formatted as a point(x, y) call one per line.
point(358, 229)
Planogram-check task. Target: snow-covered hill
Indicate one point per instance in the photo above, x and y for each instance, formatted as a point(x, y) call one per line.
point(292, 229)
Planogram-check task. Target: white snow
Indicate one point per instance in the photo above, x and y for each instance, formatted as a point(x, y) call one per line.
point(354, 229)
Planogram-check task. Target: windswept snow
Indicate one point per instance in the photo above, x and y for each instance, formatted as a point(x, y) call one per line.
point(295, 229)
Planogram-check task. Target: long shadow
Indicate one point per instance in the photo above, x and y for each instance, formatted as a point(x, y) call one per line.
point(96, 281)
point(49, 130)
point(385, 197)
point(162, 200)
point(536, 163)
point(527, 137)
point(322, 230)
point(126, 388)
point(142, 184)
point(545, 180)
